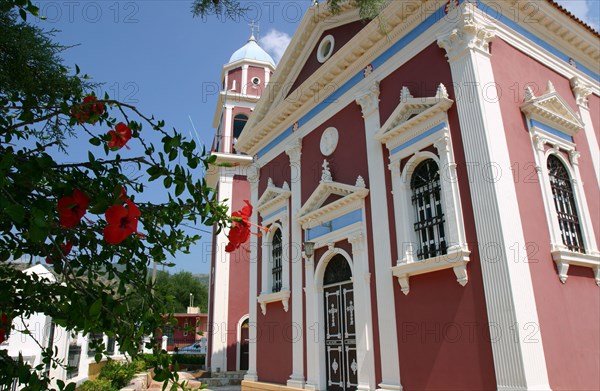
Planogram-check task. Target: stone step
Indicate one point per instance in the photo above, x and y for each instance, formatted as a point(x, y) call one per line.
point(224, 378)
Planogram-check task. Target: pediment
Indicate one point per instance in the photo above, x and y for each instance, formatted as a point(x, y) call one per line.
point(412, 111)
point(551, 109)
point(338, 194)
point(273, 198)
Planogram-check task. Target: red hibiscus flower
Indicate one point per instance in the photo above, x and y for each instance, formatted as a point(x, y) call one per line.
point(122, 222)
point(119, 136)
point(72, 209)
point(65, 249)
point(240, 230)
point(89, 111)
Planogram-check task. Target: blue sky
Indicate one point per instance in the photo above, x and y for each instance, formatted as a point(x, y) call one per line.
point(155, 55)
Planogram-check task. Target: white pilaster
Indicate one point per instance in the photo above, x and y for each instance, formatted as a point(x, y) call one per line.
point(390, 366)
point(244, 88)
point(507, 282)
point(365, 355)
point(220, 283)
point(312, 325)
point(581, 92)
point(294, 151)
point(252, 375)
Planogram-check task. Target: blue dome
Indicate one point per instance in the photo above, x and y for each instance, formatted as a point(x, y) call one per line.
point(251, 51)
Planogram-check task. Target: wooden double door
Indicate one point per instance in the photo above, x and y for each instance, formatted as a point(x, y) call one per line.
point(340, 337)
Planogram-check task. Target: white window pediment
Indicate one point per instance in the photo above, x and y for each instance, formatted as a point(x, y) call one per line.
point(316, 210)
point(273, 200)
point(410, 113)
point(552, 110)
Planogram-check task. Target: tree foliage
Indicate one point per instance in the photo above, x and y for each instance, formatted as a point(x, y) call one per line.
point(178, 286)
point(61, 210)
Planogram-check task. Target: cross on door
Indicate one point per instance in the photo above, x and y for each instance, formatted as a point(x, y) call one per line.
point(332, 312)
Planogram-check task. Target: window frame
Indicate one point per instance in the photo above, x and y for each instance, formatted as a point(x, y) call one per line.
point(545, 144)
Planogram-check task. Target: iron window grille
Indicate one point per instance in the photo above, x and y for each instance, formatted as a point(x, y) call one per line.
point(277, 265)
point(564, 202)
point(429, 216)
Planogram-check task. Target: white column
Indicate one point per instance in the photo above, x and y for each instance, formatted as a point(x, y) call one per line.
point(361, 279)
point(252, 375)
point(294, 151)
point(220, 283)
point(510, 299)
point(267, 76)
point(390, 366)
point(581, 92)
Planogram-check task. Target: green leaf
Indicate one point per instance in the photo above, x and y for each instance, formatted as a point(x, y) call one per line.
point(95, 309)
point(16, 213)
point(95, 141)
point(179, 188)
point(168, 181)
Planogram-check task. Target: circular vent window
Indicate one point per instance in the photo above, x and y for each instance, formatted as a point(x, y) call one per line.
point(255, 81)
point(325, 49)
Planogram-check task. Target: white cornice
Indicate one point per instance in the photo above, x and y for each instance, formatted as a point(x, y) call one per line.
point(551, 109)
point(314, 210)
point(234, 164)
point(237, 99)
point(273, 198)
point(413, 111)
point(272, 116)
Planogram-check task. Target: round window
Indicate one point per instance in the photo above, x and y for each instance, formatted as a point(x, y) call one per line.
point(255, 81)
point(325, 49)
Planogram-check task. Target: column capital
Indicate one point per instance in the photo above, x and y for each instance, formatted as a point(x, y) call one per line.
point(581, 91)
point(369, 100)
point(357, 241)
point(294, 151)
point(471, 33)
point(442, 144)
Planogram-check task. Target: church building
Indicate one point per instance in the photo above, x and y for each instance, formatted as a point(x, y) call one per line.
point(430, 181)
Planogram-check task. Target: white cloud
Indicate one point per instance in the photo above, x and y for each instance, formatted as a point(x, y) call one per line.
point(275, 42)
point(586, 10)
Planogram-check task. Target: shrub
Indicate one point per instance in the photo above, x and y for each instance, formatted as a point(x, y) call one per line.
point(192, 359)
point(119, 374)
point(98, 385)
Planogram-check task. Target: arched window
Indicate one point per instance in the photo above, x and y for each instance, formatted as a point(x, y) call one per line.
point(337, 270)
point(564, 202)
point(239, 121)
point(429, 216)
point(276, 254)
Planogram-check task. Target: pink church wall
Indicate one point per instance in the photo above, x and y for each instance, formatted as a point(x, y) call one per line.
point(568, 313)
point(441, 325)
point(235, 74)
point(594, 104)
point(211, 290)
point(342, 35)
point(256, 72)
point(239, 268)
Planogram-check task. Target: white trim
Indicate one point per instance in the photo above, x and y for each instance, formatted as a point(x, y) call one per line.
point(390, 365)
point(328, 39)
point(297, 380)
point(560, 254)
point(507, 283)
point(238, 349)
point(251, 374)
point(220, 282)
point(265, 298)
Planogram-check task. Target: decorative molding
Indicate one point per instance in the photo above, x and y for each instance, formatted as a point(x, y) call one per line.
point(329, 141)
point(326, 174)
point(273, 198)
point(564, 258)
point(282, 296)
point(581, 91)
point(314, 208)
point(472, 33)
point(294, 151)
point(552, 110)
point(369, 100)
point(413, 117)
point(457, 259)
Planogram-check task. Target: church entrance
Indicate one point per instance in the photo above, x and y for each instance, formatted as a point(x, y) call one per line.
point(340, 331)
point(244, 345)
